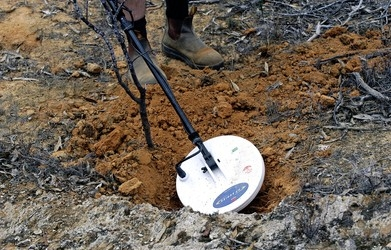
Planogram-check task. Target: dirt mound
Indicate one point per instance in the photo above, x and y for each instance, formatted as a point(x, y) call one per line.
point(276, 97)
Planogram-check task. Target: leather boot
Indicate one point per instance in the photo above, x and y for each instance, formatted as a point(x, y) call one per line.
point(180, 42)
point(143, 73)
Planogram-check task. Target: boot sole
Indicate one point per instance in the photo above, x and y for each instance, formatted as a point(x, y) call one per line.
point(178, 55)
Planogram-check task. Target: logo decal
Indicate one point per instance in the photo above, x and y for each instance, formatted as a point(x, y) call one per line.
point(248, 169)
point(230, 195)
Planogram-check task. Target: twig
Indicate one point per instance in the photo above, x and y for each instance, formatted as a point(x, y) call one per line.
point(74, 29)
point(204, 2)
point(354, 11)
point(139, 100)
point(329, 5)
point(370, 90)
point(281, 3)
point(376, 53)
point(320, 62)
point(344, 133)
point(24, 79)
point(8, 11)
point(339, 101)
point(111, 49)
point(356, 128)
point(317, 33)
point(239, 242)
point(385, 12)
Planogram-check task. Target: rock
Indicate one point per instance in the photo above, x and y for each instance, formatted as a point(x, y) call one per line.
point(103, 167)
point(224, 109)
point(111, 142)
point(30, 112)
point(129, 187)
point(94, 68)
point(143, 156)
point(325, 100)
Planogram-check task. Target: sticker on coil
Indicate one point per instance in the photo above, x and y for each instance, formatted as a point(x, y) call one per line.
point(230, 195)
point(247, 169)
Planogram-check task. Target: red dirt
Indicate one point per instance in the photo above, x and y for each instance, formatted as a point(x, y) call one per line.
point(276, 109)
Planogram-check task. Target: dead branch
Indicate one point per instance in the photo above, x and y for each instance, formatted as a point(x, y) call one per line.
point(367, 88)
point(204, 2)
point(24, 79)
point(319, 62)
point(354, 12)
point(344, 133)
point(376, 53)
point(142, 91)
point(356, 128)
point(317, 33)
point(339, 102)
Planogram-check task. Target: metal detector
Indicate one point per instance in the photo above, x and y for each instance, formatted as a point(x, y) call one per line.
point(222, 174)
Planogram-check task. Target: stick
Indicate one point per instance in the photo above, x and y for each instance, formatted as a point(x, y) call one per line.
point(376, 53)
point(204, 2)
point(370, 90)
point(355, 9)
point(139, 100)
point(339, 102)
point(317, 33)
point(24, 79)
point(356, 128)
point(320, 62)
